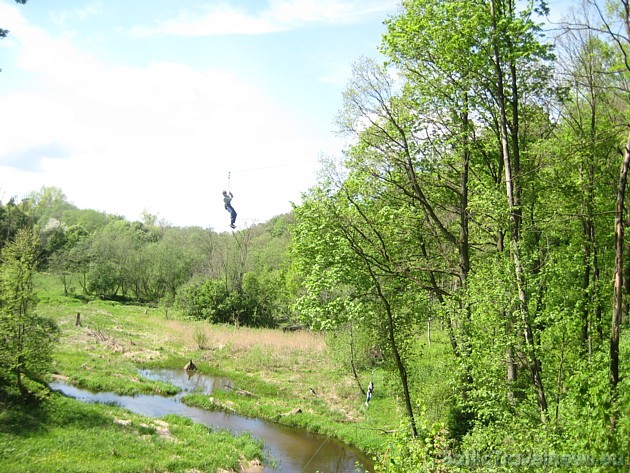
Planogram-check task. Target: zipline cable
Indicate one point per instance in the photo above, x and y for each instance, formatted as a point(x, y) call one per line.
point(274, 166)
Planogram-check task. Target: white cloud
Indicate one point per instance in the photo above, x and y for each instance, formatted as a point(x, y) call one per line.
point(220, 19)
point(86, 11)
point(161, 138)
point(281, 15)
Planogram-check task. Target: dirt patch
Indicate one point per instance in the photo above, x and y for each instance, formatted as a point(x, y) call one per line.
point(254, 466)
point(60, 377)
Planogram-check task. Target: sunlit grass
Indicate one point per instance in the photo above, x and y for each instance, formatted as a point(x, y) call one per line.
point(283, 370)
point(62, 434)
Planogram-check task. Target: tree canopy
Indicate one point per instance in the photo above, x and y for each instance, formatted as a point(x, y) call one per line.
point(480, 187)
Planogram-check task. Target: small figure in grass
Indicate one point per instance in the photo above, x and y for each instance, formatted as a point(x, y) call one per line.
point(368, 396)
point(227, 201)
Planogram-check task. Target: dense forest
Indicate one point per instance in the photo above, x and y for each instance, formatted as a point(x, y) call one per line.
point(483, 195)
point(485, 188)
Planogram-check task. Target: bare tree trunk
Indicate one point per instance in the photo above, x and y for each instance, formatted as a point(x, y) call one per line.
point(625, 307)
point(513, 197)
point(618, 280)
point(402, 371)
point(352, 361)
point(510, 357)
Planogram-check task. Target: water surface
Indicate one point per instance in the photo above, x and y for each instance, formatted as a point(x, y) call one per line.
point(291, 449)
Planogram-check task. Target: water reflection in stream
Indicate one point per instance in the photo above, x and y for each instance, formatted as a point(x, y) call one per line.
point(293, 450)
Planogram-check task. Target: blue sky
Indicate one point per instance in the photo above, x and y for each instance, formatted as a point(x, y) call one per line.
point(149, 105)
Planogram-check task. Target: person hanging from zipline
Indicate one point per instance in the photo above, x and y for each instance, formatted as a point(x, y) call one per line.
point(227, 201)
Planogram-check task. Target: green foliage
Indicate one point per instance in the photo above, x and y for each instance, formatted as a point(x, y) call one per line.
point(467, 197)
point(27, 338)
point(353, 347)
point(205, 300)
point(99, 255)
point(428, 451)
point(13, 217)
point(211, 300)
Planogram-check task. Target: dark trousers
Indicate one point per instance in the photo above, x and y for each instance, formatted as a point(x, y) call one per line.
point(230, 209)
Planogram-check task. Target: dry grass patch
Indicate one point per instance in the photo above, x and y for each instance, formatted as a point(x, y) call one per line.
point(243, 339)
point(142, 355)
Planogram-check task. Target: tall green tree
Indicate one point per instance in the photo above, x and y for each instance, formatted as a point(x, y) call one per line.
point(27, 338)
point(618, 15)
point(13, 217)
point(348, 242)
point(512, 44)
point(592, 119)
point(419, 151)
point(469, 67)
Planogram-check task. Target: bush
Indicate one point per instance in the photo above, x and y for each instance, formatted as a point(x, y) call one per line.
point(210, 300)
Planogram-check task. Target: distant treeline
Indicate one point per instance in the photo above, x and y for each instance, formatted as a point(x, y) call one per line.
point(240, 277)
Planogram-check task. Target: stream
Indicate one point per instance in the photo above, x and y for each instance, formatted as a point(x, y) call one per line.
point(292, 450)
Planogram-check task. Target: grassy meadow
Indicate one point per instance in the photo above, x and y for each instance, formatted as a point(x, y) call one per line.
point(280, 371)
